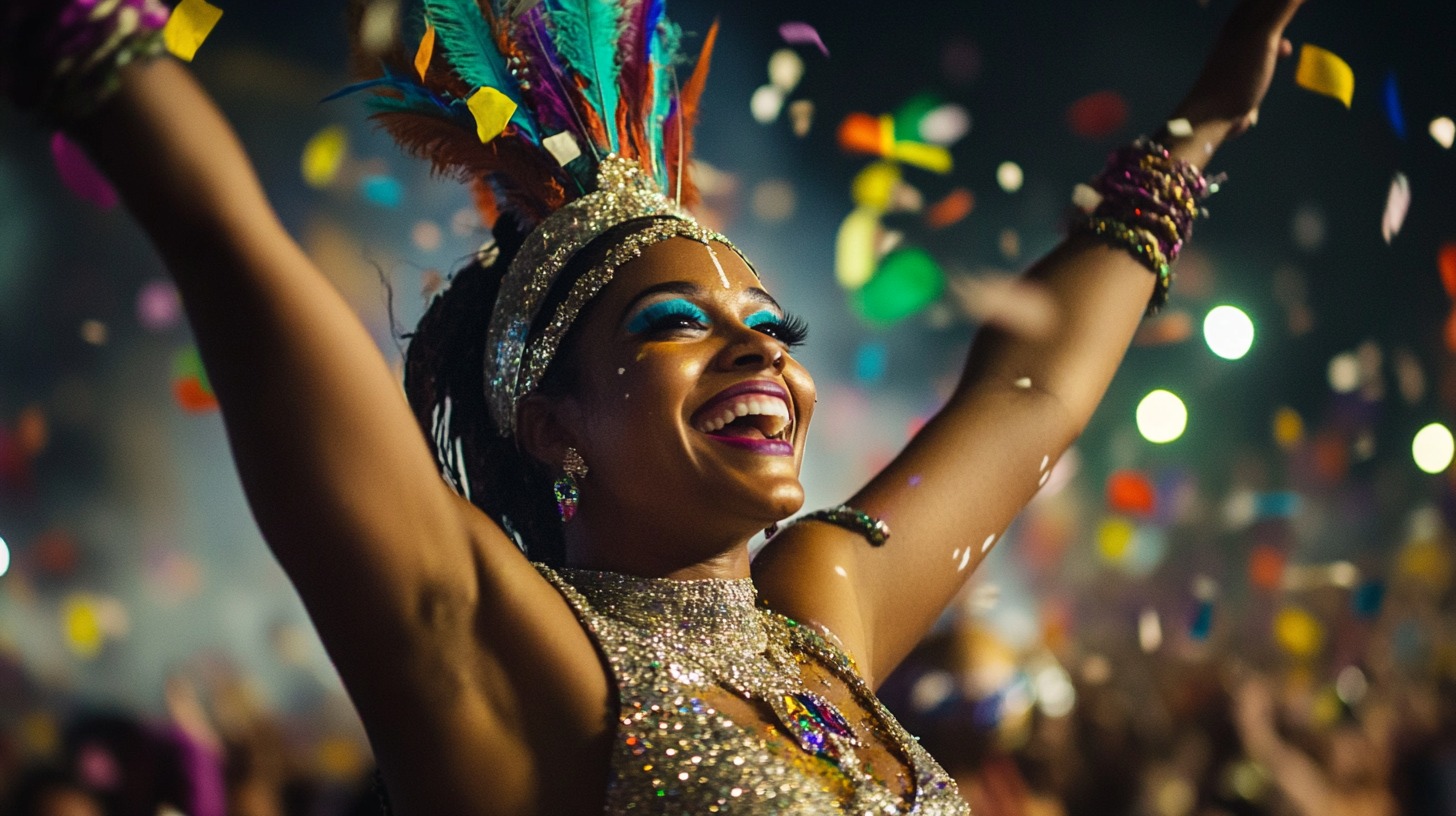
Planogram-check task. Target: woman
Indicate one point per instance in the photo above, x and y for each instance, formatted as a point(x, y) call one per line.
point(622, 368)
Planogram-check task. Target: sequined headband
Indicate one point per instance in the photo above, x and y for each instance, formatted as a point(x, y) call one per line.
point(515, 363)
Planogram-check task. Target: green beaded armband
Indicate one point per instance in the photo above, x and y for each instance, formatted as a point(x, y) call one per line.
point(875, 531)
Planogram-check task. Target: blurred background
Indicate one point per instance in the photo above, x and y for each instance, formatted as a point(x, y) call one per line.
point(1232, 596)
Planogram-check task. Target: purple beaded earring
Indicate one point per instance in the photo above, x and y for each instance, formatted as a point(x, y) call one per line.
point(567, 491)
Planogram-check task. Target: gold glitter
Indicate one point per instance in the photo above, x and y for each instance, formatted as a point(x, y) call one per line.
point(625, 192)
point(701, 671)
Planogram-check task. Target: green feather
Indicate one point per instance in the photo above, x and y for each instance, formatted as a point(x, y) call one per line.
point(586, 38)
point(665, 43)
point(464, 33)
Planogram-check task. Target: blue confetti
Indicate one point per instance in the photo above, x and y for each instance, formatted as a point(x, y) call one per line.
point(1202, 621)
point(1276, 505)
point(1392, 106)
point(385, 191)
point(871, 362)
point(1367, 599)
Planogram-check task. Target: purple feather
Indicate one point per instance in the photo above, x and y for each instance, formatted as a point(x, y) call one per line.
point(553, 91)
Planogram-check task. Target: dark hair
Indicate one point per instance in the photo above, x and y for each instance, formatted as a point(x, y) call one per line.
point(444, 380)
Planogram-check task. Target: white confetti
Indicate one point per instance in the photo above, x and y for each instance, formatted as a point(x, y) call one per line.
point(1397, 204)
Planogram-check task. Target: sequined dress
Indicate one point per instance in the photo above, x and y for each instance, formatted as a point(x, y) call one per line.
point(729, 707)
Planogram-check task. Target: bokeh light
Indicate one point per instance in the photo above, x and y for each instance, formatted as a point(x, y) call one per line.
point(1161, 416)
point(1433, 448)
point(1228, 331)
point(1010, 176)
point(1443, 130)
point(4, 557)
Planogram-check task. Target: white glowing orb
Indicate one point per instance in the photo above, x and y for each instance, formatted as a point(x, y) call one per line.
point(1344, 373)
point(1443, 130)
point(785, 69)
point(1229, 332)
point(1162, 417)
point(1433, 448)
point(766, 103)
point(1010, 177)
point(4, 557)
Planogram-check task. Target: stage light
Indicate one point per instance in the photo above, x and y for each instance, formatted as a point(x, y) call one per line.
point(1161, 417)
point(1433, 447)
point(1229, 332)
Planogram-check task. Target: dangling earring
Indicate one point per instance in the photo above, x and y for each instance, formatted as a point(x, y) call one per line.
point(568, 493)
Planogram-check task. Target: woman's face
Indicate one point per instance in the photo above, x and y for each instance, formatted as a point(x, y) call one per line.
point(691, 412)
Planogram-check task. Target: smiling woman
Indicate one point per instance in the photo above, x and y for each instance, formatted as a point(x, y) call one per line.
point(569, 620)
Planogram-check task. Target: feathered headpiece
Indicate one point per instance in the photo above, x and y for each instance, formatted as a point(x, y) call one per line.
point(566, 114)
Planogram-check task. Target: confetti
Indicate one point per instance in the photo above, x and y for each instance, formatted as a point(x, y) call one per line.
point(1114, 539)
point(385, 191)
point(563, 147)
point(874, 186)
point(79, 175)
point(492, 111)
point(1298, 632)
point(1443, 130)
point(189, 383)
point(323, 155)
point(1397, 204)
point(907, 281)
point(871, 361)
point(956, 205)
point(945, 125)
point(785, 70)
point(426, 51)
point(1324, 73)
point(1393, 111)
point(1180, 128)
point(766, 104)
point(1009, 176)
point(854, 248)
point(1097, 115)
point(863, 133)
point(1446, 262)
point(1131, 493)
point(798, 33)
point(158, 306)
point(188, 27)
point(801, 115)
point(934, 158)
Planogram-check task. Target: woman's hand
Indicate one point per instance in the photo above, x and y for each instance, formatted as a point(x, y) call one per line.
point(1240, 67)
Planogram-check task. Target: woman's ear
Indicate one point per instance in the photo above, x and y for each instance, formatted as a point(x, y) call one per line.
point(545, 429)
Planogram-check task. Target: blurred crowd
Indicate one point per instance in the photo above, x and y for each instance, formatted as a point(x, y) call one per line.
point(1201, 720)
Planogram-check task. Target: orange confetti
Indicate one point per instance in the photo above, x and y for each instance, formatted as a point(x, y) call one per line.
point(426, 51)
point(1097, 115)
point(1266, 568)
point(955, 206)
point(863, 133)
point(1446, 260)
point(193, 396)
point(1130, 492)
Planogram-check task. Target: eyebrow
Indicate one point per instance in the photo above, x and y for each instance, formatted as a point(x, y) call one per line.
point(688, 289)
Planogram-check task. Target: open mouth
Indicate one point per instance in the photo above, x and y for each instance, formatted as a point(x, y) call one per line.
point(753, 412)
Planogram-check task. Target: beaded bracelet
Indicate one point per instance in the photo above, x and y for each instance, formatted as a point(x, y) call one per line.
point(875, 531)
point(64, 63)
point(1149, 201)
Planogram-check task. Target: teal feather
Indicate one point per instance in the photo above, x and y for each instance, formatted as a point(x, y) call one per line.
point(464, 32)
point(586, 37)
point(666, 41)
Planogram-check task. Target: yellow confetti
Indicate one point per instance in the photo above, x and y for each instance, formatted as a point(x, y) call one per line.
point(82, 626)
point(189, 26)
point(934, 158)
point(492, 111)
point(426, 51)
point(854, 252)
point(1288, 428)
point(1298, 632)
point(875, 185)
point(1324, 73)
point(323, 155)
point(1114, 539)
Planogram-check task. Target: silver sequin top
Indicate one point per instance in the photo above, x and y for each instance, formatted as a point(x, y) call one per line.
point(694, 732)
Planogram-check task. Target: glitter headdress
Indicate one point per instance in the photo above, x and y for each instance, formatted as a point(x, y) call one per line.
point(565, 115)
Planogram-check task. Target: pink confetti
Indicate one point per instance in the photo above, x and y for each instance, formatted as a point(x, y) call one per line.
point(158, 306)
point(802, 34)
point(1397, 204)
point(79, 175)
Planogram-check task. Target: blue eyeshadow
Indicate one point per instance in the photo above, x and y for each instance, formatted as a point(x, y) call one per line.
point(677, 307)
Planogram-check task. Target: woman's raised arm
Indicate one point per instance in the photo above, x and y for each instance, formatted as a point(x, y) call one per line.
point(337, 472)
point(1019, 404)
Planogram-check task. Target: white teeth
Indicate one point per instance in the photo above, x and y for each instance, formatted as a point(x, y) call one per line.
point(750, 405)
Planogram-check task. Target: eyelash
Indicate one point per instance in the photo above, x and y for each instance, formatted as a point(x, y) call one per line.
point(791, 330)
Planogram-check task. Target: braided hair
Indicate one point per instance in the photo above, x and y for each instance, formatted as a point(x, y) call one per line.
point(444, 380)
